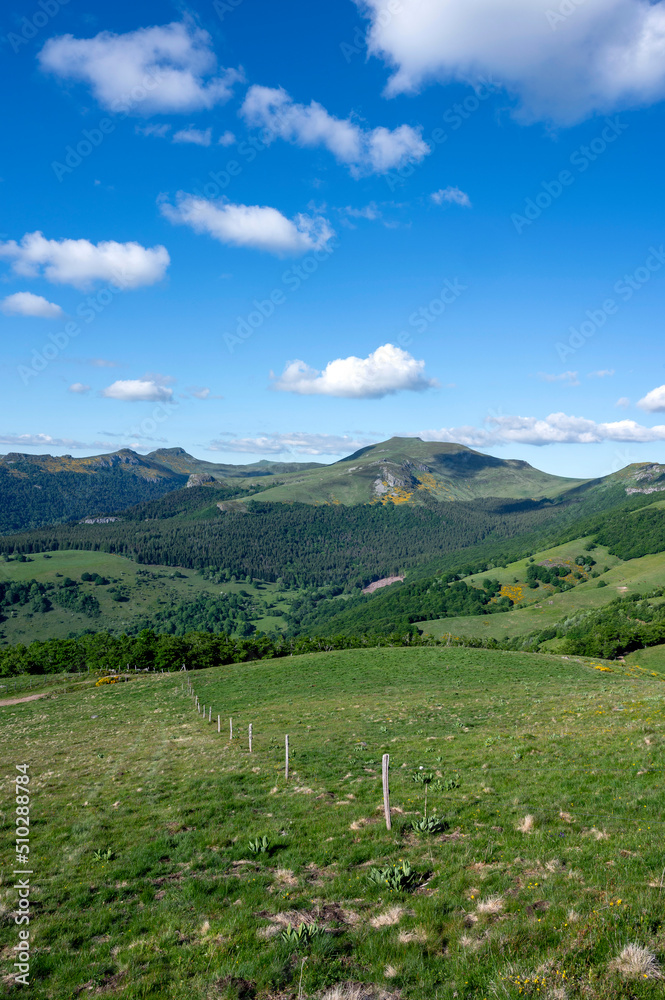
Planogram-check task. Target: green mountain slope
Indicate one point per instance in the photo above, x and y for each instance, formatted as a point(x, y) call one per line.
point(37, 490)
point(178, 460)
point(408, 470)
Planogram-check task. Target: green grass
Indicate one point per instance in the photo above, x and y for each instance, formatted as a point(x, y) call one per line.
point(546, 608)
point(146, 596)
point(184, 909)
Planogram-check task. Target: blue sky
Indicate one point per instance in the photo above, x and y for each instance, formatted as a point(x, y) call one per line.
point(460, 239)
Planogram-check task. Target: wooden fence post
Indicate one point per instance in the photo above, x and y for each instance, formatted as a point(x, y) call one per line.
point(386, 790)
point(230, 729)
point(286, 764)
point(210, 715)
point(250, 737)
point(219, 723)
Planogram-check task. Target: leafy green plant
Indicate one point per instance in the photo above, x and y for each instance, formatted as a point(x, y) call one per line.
point(106, 854)
point(260, 845)
point(452, 781)
point(429, 824)
point(302, 935)
point(398, 878)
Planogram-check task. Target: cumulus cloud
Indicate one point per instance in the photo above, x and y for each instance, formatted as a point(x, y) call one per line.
point(256, 226)
point(81, 263)
point(298, 443)
point(599, 56)
point(572, 378)
point(79, 388)
point(159, 131)
point(42, 441)
point(27, 304)
point(194, 136)
point(364, 151)
point(451, 196)
point(623, 402)
point(654, 401)
point(148, 389)
point(169, 68)
point(557, 428)
point(226, 139)
point(385, 371)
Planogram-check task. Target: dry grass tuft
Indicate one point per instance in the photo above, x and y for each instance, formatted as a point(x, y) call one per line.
point(635, 962)
point(389, 918)
point(357, 991)
point(390, 972)
point(285, 877)
point(493, 904)
point(527, 824)
point(596, 834)
point(410, 937)
point(566, 817)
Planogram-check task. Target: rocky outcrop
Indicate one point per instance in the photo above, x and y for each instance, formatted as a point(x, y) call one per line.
point(200, 479)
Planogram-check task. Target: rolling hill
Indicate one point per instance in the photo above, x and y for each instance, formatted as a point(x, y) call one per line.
point(408, 470)
point(37, 490)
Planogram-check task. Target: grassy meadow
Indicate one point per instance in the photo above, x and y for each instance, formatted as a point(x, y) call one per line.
point(543, 608)
point(549, 862)
point(148, 594)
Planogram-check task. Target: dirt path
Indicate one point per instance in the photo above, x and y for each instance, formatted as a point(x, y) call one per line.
point(18, 701)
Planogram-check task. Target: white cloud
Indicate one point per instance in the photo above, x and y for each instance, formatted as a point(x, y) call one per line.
point(557, 428)
point(257, 226)
point(572, 378)
point(226, 139)
point(41, 441)
point(654, 401)
point(27, 304)
point(151, 70)
point(601, 55)
point(387, 370)
point(79, 388)
point(298, 443)
point(159, 131)
point(372, 212)
point(195, 136)
point(81, 263)
point(623, 402)
point(452, 196)
point(603, 373)
point(373, 151)
point(151, 390)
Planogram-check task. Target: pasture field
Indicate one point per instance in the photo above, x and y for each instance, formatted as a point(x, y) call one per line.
point(548, 866)
point(547, 608)
point(151, 588)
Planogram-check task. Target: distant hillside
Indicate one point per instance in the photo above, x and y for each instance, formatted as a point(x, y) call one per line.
point(37, 490)
point(179, 461)
point(408, 470)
